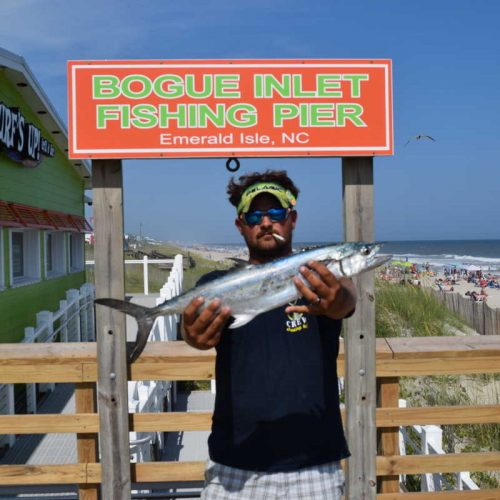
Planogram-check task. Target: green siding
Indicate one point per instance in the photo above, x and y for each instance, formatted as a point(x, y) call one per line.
point(53, 185)
point(18, 306)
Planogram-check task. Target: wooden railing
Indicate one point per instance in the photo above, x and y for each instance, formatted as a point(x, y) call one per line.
point(408, 357)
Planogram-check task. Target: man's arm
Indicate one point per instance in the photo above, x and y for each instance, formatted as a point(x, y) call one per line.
point(337, 296)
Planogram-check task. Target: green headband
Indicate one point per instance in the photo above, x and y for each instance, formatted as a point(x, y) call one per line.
point(284, 196)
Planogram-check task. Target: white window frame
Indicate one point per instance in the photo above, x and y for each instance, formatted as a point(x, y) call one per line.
point(58, 254)
point(2, 269)
point(31, 258)
point(76, 252)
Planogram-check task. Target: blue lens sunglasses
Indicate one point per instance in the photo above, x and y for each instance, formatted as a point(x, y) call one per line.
point(256, 216)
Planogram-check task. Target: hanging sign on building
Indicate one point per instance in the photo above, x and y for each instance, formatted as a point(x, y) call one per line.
point(141, 109)
point(21, 140)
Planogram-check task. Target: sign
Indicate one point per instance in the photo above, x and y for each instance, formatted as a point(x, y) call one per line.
point(22, 140)
point(146, 109)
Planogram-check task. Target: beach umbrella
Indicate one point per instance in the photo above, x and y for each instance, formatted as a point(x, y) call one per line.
point(400, 263)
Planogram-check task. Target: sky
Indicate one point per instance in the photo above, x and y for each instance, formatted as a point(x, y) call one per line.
point(446, 73)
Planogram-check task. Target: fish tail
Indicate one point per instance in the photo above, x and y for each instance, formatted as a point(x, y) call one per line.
point(144, 326)
point(145, 321)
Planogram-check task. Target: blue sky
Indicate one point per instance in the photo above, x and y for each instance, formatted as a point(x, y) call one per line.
point(446, 72)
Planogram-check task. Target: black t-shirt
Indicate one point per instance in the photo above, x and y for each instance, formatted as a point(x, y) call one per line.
point(277, 406)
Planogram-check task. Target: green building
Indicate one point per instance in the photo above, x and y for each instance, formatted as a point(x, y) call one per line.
point(42, 203)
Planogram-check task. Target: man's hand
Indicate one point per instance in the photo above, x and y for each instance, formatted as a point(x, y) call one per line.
point(203, 330)
point(328, 296)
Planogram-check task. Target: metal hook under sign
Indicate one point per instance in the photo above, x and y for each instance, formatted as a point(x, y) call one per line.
point(236, 167)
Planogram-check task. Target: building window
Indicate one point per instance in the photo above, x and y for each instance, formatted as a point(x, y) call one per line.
point(76, 249)
point(55, 261)
point(25, 256)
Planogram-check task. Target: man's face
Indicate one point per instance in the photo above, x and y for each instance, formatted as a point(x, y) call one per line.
point(259, 238)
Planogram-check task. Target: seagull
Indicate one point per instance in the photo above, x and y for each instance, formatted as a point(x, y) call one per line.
point(418, 137)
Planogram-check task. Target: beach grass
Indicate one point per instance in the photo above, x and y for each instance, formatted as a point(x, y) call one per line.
point(407, 310)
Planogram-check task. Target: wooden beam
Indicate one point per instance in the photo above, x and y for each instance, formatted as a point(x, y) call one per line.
point(110, 329)
point(201, 421)
point(388, 395)
point(449, 462)
point(11, 475)
point(359, 336)
point(86, 442)
point(438, 415)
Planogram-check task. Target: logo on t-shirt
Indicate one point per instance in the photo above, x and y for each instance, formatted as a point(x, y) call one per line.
point(296, 322)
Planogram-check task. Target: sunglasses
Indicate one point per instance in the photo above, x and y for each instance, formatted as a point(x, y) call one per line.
point(275, 214)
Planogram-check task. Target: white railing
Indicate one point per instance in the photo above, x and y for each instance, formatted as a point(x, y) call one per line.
point(156, 396)
point(431, 443)
point(72, 322)
point(145, 261)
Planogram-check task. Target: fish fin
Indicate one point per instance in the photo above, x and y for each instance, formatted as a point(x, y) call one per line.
point(241, 319)
point(144, 320)
point(125, 306)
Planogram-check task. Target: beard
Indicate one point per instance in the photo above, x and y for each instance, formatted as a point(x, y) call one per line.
point(265, 248)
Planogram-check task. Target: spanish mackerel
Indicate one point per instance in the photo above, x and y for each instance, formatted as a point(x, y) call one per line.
point(255, 289)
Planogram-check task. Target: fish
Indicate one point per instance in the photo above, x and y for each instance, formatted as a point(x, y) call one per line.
point(255, 288)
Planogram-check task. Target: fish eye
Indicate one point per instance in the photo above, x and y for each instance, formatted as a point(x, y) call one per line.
point(365, 250)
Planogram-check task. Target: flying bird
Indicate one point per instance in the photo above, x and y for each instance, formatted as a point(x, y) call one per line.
point(418, 137)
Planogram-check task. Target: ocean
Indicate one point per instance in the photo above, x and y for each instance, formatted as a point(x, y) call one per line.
point(437, 253)
point(447, 253)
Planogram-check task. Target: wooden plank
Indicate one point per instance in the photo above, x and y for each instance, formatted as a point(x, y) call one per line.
point(158, 472)
point(171, 421)
point(359, 335)
point(444, 495)
point(110, 328)
point(47, 423)
point(451, 462)
point(88, 423)
point(76, 362)
point(445, 347)
point(22, 374)
point(201, 421)
point(86, 441)
point(11, 475)
point(388, 395)
point(416, 367)
point(63, 354)
point(169, 471)
point(438, 415)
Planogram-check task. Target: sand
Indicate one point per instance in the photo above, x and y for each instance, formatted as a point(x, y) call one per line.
point(493, 294)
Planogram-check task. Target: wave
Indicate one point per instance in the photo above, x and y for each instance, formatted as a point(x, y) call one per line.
point(449, 260)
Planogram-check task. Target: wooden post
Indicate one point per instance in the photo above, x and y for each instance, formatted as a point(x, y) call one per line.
point(86, 444)
point(110, 330)
point(359, 332)
point(388, 396)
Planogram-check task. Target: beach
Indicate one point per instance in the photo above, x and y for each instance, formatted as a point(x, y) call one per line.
point(218, 253)
point(462, 287)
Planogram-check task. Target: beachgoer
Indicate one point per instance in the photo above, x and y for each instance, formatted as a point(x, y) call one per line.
point(276, 428)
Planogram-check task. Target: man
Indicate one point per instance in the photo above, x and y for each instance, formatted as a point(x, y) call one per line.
point(276, 430)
